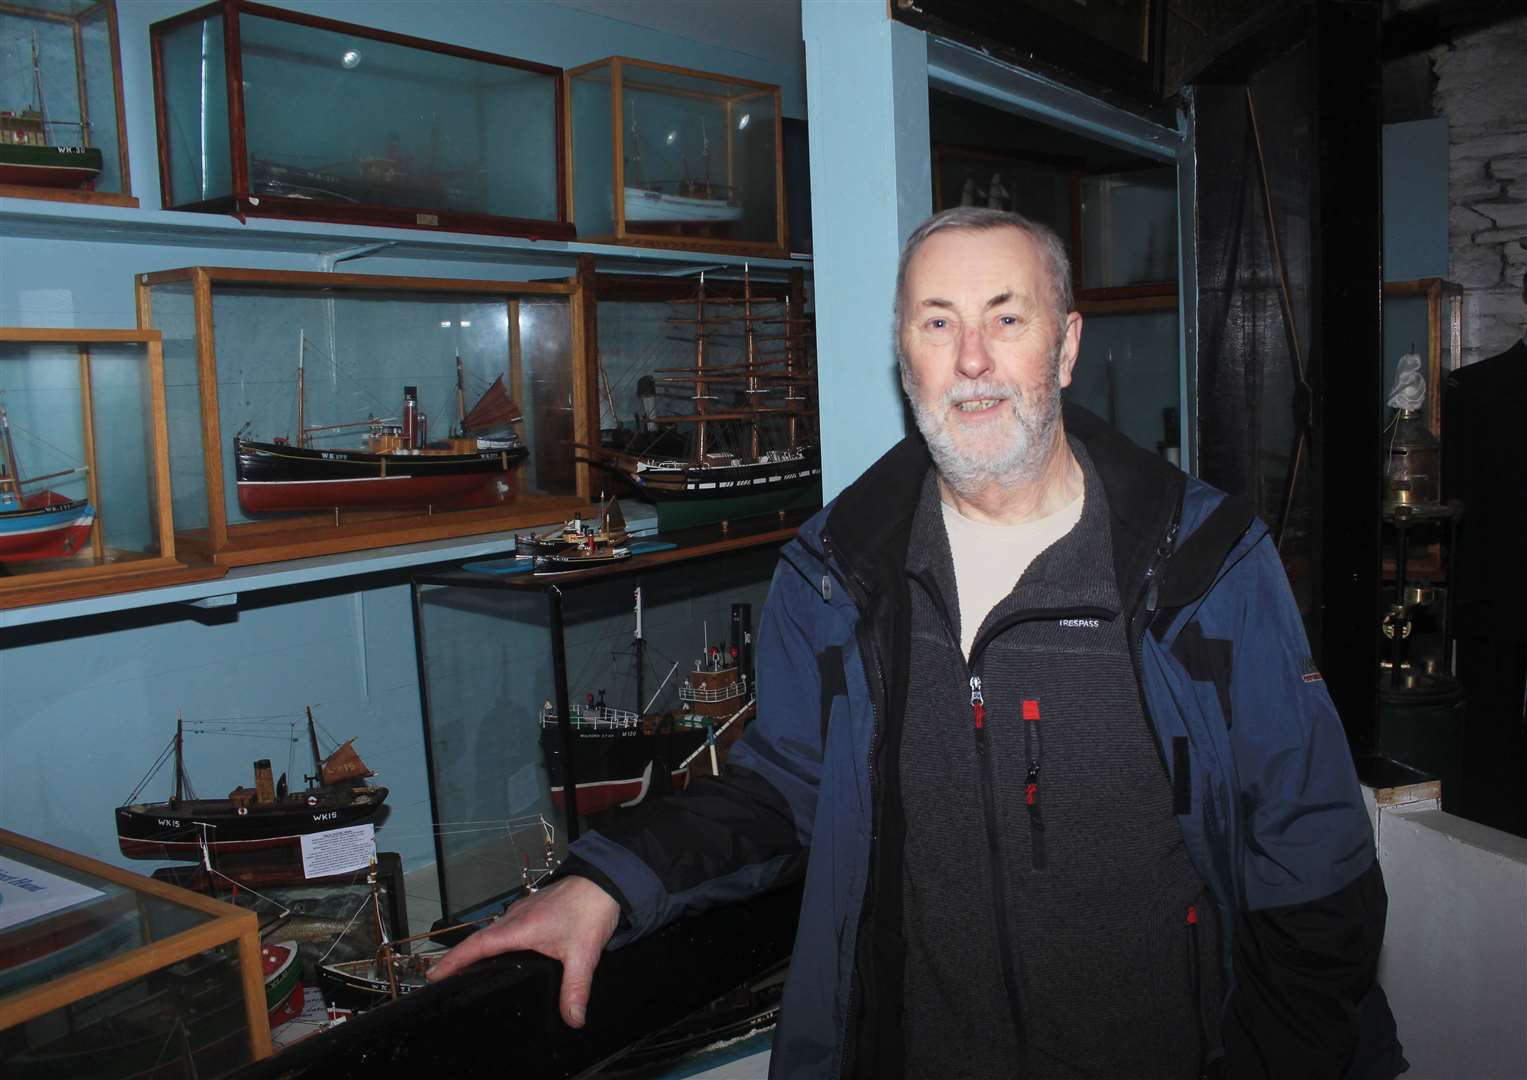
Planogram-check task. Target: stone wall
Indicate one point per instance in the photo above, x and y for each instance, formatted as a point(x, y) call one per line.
point(1482, 90)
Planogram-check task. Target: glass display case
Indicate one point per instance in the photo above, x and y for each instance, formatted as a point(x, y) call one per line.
point(707, 394)
point(311, 413)
point(671, 157)
point(107, 973)
point(395, 130)
point(552, 700)
point(1127, 242)
point(1129, 370)
point(84, 465)
point(63, 134)
point(1423, 317)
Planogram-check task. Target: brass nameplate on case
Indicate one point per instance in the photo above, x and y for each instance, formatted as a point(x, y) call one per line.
point(426, 219)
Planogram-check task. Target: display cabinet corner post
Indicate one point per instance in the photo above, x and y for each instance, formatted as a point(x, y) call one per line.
point(238, 148)
point(163, 511)
point(114, 41)
point(211, 427)
point(92, 470)
point(161, 122)
point(617, 135)
point(565, 126)
point(584, 345)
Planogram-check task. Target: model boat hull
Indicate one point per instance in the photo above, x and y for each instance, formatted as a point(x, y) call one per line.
point(163, 831)
point(682, 481)
point(45, 526)
point(657, 207)
point(49, 166)
point(273, 477)
point(363, 984)
point(618, 767)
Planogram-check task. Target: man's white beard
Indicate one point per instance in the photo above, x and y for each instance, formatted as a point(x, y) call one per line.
point(1011, 454)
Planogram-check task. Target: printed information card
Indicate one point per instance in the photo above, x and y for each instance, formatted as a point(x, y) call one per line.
point(338, 851)
point(27, 893)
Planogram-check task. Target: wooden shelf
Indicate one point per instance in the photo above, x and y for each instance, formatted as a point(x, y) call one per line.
point(42, 220)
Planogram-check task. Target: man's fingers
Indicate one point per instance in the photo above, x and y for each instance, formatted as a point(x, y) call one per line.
point(470, 951)
point(577, 981)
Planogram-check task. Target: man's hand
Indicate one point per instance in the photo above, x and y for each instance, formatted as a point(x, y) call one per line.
point(570, 920)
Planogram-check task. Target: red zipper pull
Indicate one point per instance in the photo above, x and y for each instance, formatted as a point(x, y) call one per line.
point(1031, 779)
point(1192, 914)
point(977, 702)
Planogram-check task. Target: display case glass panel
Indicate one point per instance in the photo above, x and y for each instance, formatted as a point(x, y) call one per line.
point(104, 972)
point(668, 156)
point(62, 133)
point(1423, 317)
point(1129, 373)
point(498, 652)
point(84, 482)
point(1129, 230)
point(396, 130)
point(311, 413)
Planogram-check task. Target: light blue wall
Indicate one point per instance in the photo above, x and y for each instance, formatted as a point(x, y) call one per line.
point(1415, 200)
point(86, 705)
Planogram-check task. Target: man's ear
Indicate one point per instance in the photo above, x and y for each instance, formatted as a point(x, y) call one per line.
point(1070, 346)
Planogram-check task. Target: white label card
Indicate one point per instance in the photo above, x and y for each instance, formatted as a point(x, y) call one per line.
point(338, 851)
point(27, 893)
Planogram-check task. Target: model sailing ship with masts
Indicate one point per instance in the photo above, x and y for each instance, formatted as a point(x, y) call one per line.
point(266, 815)
point(41, 523)
point(685, 201)
point(27, 156)
point(399, 467)
point(753, 425)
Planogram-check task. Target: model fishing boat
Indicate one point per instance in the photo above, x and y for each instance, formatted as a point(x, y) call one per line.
point(399, 466)
point(38, 524)
point(620, 756)
point(608, 529)
point(265, 815)
point(27, 156)
point(283, 983)
point(752, 428)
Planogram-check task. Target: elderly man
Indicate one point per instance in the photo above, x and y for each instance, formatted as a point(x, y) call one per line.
point(1039, 725)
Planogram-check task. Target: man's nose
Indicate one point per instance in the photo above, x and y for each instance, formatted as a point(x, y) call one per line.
point(974, 358)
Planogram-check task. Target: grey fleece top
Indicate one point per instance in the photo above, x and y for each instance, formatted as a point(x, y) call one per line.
point(1086, 892)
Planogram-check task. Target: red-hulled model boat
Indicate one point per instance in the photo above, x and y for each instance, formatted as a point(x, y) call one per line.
point(41, 524)
point(398, 467)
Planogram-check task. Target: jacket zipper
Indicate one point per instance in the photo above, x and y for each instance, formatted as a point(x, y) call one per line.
point(868, 647)
point(1033, 749)
point(1150, 594)
point(1195, 985)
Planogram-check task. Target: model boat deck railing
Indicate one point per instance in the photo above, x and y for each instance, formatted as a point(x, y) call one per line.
point(599, 716)
point(702, 693)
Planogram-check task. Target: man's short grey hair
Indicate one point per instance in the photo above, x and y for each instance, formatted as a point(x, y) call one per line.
point(982, 219)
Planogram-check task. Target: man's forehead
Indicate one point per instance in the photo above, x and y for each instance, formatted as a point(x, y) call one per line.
point(959, 255)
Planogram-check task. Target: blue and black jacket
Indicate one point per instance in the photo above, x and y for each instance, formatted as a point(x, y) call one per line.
point(1262, 779)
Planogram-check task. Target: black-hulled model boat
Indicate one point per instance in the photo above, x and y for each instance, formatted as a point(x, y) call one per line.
point(621, 757)
point(398, 467)
point(266, 815)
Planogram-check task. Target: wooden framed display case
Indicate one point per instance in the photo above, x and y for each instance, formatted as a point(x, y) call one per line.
point(1124, 241)
point(670, 157)
point(396, 130)
point(1426, 317)
point(553, 699)
point(312, 413)
point(706, 401)
point(84, 466)
point(63, 132)
point(105, 972)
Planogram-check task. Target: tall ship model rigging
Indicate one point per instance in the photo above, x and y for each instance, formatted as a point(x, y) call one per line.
point(266, 815)
point(753, 429)
point(39, 523)
point(399, 467)
point(29, 156)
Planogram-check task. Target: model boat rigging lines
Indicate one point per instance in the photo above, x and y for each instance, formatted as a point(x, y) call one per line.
point(39, 523)
point(398, 467)
point(266, 815)
point(753, 420)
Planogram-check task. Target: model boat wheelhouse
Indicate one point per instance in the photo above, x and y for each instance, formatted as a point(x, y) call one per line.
point(40, 524)
point(399, 467)
point(265, 815)
point(27, 156)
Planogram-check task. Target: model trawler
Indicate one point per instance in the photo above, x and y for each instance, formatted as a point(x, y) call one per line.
point(28, 155)
point(399, 466)
point(38, 523)
point(683, 201)
point(621, 756)
point(266, 815)
point(753, 424)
